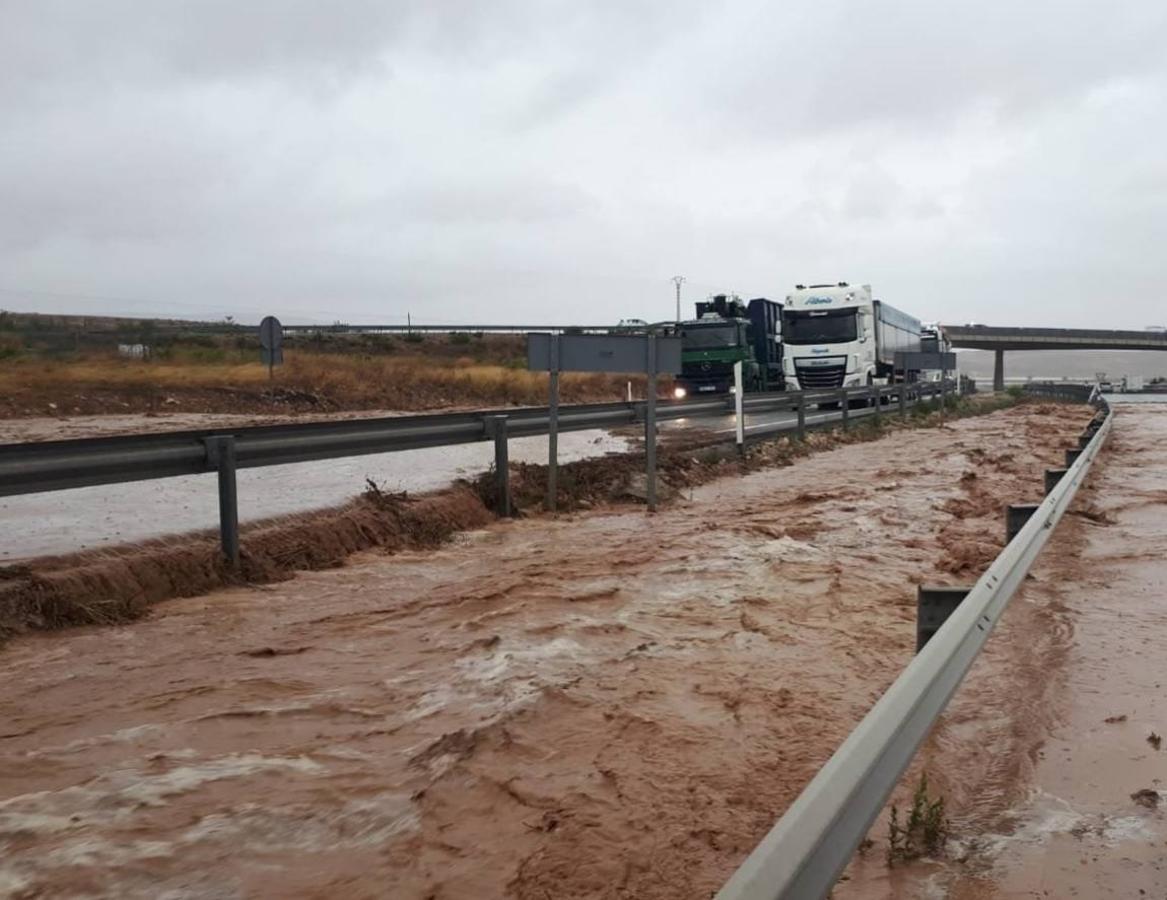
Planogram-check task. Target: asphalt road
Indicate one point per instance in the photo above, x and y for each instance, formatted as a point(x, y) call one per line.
point(757, 424)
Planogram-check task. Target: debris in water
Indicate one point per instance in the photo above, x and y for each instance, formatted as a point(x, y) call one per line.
point(1146, 797)
point(1154, 740)
point(1114, 720)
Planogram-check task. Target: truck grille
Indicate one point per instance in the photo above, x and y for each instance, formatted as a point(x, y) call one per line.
point(820, 377)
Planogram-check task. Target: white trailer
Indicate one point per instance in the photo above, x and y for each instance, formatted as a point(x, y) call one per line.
point(838, 335)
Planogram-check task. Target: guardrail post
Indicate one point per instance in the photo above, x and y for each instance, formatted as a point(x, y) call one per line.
point(497, 427)
point(801, 408)
point(650, 427)
point(845, 408)
point(1016, 515)
point(1072, 457)
point(1084, 440)
point(221, 455)
point(903, 398)
point(934, 604)
point(877, 397)
point(1052, 477)
point(553, 428)
point(739, 409)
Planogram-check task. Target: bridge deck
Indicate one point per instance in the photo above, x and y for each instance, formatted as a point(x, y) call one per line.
point(987, 337)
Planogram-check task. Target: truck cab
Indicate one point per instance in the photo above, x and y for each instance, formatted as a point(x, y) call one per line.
point(727, 331)
point(829, 338)
point(933, 340)
point(838, 335)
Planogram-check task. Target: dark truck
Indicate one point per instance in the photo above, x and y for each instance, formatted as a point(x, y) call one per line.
point(725, 331)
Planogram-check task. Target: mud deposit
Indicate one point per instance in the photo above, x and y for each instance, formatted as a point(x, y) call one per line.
point(1054, 778)
point(607, 705)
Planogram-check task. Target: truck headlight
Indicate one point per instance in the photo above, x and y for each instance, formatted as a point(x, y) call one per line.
point(680, 393)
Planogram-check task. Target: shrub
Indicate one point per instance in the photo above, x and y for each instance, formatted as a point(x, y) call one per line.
point(926, 831)
point(10, 346)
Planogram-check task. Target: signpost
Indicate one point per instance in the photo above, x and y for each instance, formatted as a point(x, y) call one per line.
point(271, 342)
point(737, 405)
point(647, 353)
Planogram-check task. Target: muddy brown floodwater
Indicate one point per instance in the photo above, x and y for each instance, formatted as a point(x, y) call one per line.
point(606, 705)
point(1059, 813)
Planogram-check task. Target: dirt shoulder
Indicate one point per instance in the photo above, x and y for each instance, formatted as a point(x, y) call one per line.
point(608, 704)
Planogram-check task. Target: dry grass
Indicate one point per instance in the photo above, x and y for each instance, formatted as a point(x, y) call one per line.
point(229, 381)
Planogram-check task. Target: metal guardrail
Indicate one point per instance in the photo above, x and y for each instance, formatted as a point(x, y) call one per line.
point(56, 465)
point(1083, 393)
point(59, 465)
point(806, 851)
point(448, 329)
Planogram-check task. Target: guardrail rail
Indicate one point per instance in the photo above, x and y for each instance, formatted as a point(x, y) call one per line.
point(803, 855)
point(36, 467)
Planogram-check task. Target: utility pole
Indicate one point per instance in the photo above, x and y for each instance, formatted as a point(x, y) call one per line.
point(678, 280)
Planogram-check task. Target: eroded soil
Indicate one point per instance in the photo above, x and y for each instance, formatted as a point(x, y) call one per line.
point(606, 705)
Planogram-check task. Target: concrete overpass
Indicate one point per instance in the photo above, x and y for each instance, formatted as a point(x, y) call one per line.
point(989, 337)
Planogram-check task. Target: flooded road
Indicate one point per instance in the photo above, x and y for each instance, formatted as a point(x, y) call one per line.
point(61, 522)
point(35, 525)
point(1061, 815)
point(607, 705)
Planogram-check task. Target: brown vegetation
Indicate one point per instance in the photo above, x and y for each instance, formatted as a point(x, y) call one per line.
point(364, 372)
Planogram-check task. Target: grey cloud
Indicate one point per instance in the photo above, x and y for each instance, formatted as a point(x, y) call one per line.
point(994, 161)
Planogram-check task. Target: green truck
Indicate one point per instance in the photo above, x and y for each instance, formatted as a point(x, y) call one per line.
point(727, 331)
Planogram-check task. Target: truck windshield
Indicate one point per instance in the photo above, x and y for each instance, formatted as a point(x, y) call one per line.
point(826, 327)
point(708, 337)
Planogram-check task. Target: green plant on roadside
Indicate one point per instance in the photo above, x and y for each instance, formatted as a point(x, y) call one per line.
point(459, 337)
point(1015, 390)
point(926, 831)
point(413, 337)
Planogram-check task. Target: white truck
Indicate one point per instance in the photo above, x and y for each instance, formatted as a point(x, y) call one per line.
point(837, 335)
point(933, 340)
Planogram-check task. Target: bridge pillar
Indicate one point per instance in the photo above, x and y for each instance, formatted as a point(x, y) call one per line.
point(999, 370)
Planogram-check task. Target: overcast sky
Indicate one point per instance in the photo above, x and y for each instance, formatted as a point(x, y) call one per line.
point(994, 161)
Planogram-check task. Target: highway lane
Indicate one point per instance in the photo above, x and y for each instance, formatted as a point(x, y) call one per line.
point(757, 424)
point(60, 522)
